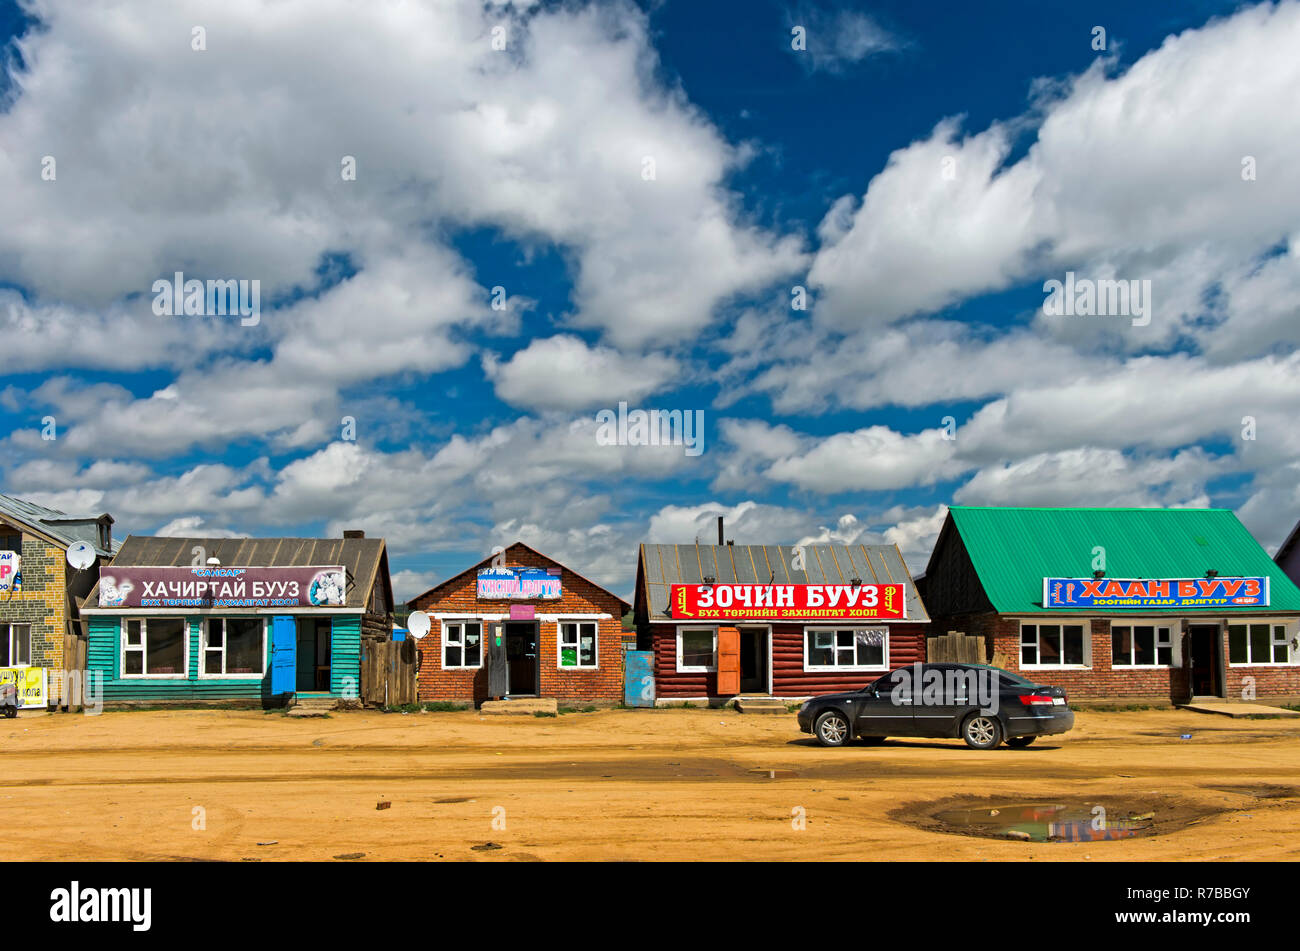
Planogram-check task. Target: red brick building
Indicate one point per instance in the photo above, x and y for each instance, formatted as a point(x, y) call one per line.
point(550, 631)
point(1120, 603)
point(818, 644)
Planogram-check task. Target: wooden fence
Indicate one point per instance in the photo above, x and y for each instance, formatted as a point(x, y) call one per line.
point(955, 648)
point(388, 672)
point(72, 675)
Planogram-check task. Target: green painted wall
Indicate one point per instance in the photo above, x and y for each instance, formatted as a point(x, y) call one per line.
point(103, 654)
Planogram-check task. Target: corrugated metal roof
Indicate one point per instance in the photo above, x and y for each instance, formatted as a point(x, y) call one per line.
point(823, 564)
point(361, 557)
point(62, 527)
point(1014, 549)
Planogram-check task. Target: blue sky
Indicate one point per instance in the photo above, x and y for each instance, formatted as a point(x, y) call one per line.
point(919, 171)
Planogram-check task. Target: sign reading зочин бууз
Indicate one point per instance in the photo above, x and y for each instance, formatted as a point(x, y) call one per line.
point(1155, 592)
point(789, 602)
point(519, 583)
point(168, 586)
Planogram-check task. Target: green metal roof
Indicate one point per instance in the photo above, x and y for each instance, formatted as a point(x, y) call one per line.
point(1014, 549)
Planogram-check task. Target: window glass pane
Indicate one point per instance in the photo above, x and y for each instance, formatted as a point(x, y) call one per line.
point(1121, 646)
point(453, 656)
point(871, 648)
point(133, 633)
point(568, 635)
point(1144, 643)
point(212, 662)
point(1237, 643)
point(473, 645)
point(1072, 644)
point(474, 630)
point(133, 662)
point(4, 646)
point(697, 648)
point(587, 646)
point(165, 650)
point(215, 633)
point(1259, 643)
point(1164, 656)
point(20, 644)
point(244, 645)
point(1028, 644)
point(820, 652)
point(1049, 643)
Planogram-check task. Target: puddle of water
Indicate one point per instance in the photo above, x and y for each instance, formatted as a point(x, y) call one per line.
point(775, 773)
point(1047, 822)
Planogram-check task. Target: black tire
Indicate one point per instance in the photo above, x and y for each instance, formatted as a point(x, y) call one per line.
point(831, 728)
point(872, 740)
point(11, 712)
point(981, 732)
point(1020, 742)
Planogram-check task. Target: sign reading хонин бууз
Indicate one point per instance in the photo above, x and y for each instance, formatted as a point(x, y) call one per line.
point(522, 583)
point(1155, 592)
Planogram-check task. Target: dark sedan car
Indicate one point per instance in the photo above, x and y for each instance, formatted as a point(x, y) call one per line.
point(982, 705)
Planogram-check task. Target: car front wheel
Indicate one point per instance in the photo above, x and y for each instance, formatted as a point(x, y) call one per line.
point(832, 729)
point(982, 732)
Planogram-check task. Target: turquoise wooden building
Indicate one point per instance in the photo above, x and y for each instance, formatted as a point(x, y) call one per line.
point(266, 620)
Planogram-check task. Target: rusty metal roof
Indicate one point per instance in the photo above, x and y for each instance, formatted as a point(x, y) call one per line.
point(663, 566)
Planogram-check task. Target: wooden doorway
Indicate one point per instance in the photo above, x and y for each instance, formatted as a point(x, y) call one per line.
point(1205, 649)
point(755, 660)
point(521, 658)
point(313, 660)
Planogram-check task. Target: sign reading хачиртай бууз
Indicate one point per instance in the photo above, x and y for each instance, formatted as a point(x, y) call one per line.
point(1155, 592)
point(167, 586)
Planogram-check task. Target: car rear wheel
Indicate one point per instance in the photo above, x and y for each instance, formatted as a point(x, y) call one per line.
point(1020, 741)
point(981, 732)
point(832, 729)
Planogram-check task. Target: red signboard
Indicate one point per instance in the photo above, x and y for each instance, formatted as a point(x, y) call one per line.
point(789, 602)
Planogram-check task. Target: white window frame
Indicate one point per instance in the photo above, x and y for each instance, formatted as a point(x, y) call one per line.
point(1084, 622)
point(1172, 625)
point(203, 651)
point(846, 668)
point(9, 642)
point(697, 628)
point(144, 647)
point(1288, 631)
point(577, 644)
point(460, 622)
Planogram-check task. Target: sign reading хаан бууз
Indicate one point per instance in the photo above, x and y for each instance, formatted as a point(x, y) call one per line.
point(1155, 592)
point(789, 602)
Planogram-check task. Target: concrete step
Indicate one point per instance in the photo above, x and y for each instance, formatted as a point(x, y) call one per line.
point(524, 706)
point(760, 705)
point(312, 706)
point(1238, 708)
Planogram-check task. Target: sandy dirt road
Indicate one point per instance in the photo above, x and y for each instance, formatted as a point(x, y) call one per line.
point(614, 785)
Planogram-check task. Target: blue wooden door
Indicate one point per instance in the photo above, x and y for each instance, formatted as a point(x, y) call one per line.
point(639, 679)
point(284, 649)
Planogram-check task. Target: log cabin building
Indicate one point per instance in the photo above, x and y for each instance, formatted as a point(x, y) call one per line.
point(726, 621)
point(269, 621)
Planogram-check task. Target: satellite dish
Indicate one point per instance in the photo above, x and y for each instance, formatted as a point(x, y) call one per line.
point(418, 624)
point(81, 556)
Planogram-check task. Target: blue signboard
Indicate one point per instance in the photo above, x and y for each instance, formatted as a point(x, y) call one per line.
point(1155, 593)
point(519, 583)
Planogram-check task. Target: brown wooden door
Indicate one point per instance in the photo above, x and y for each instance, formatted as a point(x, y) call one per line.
point(728, 661)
